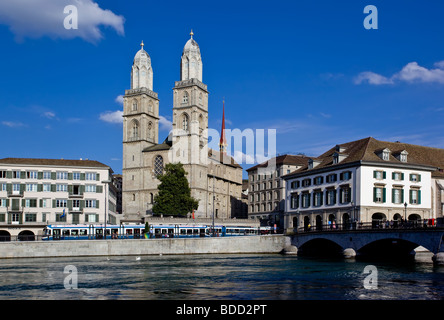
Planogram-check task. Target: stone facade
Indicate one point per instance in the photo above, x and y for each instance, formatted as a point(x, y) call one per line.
point(187, 143)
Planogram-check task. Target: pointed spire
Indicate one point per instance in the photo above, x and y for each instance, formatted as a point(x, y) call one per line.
point(141, 45)
point(191, 34)
point(223, 140)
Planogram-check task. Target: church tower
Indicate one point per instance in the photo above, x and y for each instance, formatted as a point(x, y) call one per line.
point(140, 128)
point(190, 121)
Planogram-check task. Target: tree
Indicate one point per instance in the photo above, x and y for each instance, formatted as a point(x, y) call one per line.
point(174, 197)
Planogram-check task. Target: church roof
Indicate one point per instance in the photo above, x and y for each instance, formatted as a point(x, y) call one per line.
point(165, 145)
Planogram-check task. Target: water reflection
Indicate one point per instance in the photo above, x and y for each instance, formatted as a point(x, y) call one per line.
point(219, 277)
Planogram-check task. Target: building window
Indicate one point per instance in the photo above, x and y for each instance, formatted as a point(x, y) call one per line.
point(397, 195)
point(385, 155)
point(92, 176)
point(397, 176)
point(306, 182)
point(134, 105)
point(158, 165)
point(62, 175)
point(31, 187)
point(61, 187)
point(332, 178)
point(318, 180)
point(403, 157)
point(379, 194)
point(331, 197)
point(377, 174)
point(31, 203)
point(185, 122)
point(3, 174)
point(415, 196)
point(345, 175)
point(61, 203)
point(47, 175)
point(414, 177)
point(90, 188)
point(135, 132)
point(76, 175)
point(317, 199)
point(31, 174)
point(30, 217)
point(294, 184)
point(345, 194)
point(305, 200)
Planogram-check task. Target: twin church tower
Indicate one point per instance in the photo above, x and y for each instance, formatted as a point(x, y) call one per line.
point(215, 179)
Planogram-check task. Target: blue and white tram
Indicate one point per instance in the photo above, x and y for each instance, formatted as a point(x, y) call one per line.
point(92, 231)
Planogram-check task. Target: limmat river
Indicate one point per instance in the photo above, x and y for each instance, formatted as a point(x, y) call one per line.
point(228, 277)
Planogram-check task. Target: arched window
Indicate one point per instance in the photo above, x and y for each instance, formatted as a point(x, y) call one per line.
point(135, 129)
point(158, 165)
point(135, 105)
point(185, 122)
point(150, 106)
point(185, 97)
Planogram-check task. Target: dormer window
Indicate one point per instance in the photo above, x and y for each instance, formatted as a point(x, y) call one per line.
point(385, 155)
point(338, 157)
point(313, 163)
point(402, 156)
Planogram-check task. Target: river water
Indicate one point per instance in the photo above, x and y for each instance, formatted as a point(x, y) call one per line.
point(229, 277)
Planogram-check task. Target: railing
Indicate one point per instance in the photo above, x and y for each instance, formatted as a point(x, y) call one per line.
point(366, 226)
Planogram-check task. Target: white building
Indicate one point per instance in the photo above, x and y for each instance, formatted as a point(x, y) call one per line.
point(367, 181)
point(37, 192)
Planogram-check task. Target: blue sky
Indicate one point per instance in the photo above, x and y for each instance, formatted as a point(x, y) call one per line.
point(308, 69)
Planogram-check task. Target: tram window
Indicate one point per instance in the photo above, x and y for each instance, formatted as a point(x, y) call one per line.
point(83, 232)
point(48, 232)
point(129, 231)
point(75, 232)
point(196, 231)
point(66, 232)
point(236, 230)
point(189, 231)
point(183, 231)
point(164, 231)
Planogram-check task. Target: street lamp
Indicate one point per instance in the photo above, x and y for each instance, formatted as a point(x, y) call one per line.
point(405, 212)
point(106, 182)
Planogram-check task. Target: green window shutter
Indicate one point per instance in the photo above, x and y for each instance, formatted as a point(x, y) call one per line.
point(22, 187)
point(98, 176)
point(9, 174)
point(23, 203)
point(410, 176)
point(53, 176)
point(53, 203)
point(70, 189)
point(384, 174)
point(99, 189)
point(393, 176)
point(82, 176)
point(69, 175)
point(40, 175)
point(419, 196)
point(374, 174)
point(410, 196)
point(53, 188)
point(22, 174)
point(41, 203)
point(39, 187)
point(9, 187)
point(81, 189)
point(402, 176)
point(374, 194)
point(419, 177)
point(97, 204)
point(7, 203)
point(383, 195)
point(402, 195)
point(82, 204)
point(70, 205)
point(393, 195)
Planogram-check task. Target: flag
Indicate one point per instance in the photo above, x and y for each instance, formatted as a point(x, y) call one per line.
point(193, 214)
point(63, 214)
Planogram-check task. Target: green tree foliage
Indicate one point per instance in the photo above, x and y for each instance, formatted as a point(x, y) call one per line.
point(174, 197)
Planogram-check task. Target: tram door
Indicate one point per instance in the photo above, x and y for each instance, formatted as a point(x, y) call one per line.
point(136, 233)
point(99, 233)
point(56, 234)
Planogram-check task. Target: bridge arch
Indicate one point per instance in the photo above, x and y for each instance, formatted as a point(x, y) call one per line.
point(5, 235)
point(320, 247)
point(388, 248)
point(26, 235)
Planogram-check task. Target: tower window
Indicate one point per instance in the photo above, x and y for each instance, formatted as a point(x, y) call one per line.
point(185, 122)
point(135, 132)
point(185, 97)
point(134, 105)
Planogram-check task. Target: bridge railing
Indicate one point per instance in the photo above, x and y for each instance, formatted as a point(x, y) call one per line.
point(365, 226)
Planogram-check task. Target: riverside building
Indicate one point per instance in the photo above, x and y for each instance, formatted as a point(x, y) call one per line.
point(38, 192)
point(367, 181)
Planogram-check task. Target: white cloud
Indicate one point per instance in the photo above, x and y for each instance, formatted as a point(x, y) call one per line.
point(49, 115)
point(411, 72)
point(112, 116)
point(371, 78)
point(119, 99)
point(13, 124)
point(165, 124)
point(39, 18)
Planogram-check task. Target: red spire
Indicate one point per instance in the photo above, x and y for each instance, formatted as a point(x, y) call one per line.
point(223, 140)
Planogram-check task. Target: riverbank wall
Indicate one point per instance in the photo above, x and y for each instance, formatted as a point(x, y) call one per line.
point(140, 247)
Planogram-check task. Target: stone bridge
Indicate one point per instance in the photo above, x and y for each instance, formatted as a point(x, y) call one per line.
point(379, 243)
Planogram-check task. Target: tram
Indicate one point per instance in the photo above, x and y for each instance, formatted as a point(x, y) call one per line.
point(137, 231)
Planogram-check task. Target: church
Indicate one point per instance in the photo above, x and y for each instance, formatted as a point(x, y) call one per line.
point(214, 177)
